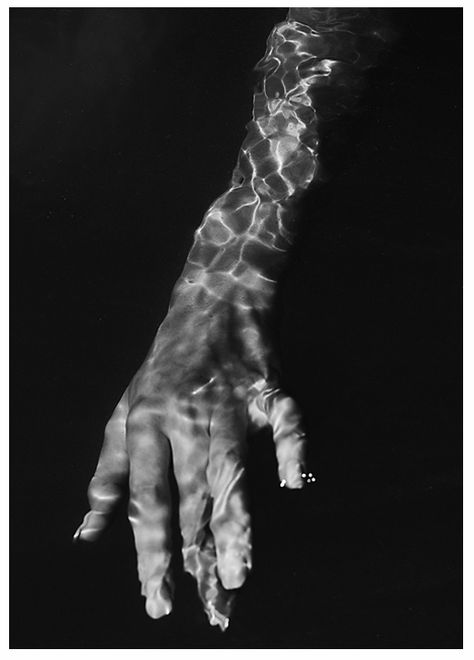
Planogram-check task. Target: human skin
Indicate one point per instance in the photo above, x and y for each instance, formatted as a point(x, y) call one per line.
point(212, 373)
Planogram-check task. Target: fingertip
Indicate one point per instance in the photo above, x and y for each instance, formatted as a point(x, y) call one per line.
point(291, 475)
point(297, 485)
point(90, 535)
point(157, 607)
point(296, 477)
point(217, 618)
point(232, 575)
point(234, 581)
point(291, 457)
point(158, 594)
point(91, 527)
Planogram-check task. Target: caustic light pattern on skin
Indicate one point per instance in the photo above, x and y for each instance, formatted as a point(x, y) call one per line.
point(211, 371)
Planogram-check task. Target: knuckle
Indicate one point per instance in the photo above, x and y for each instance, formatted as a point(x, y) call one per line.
point(257, 415)
point(142, 492)
point(148, 503)
point(141, 413)
point(102, 491)
point(268, 396)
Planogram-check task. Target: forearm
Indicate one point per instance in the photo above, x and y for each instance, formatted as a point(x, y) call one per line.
point(244, 238)
point(246, 233)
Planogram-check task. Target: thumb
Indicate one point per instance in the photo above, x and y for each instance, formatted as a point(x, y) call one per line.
point(284, 416)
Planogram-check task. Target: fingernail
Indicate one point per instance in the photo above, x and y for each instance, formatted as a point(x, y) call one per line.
point(77, 534)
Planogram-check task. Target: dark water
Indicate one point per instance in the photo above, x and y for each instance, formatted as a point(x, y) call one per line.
point(125, 125)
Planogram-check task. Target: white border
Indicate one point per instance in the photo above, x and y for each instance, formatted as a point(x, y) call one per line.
point(235, 654)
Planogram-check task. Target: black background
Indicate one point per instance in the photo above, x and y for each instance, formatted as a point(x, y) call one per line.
point(125, 125)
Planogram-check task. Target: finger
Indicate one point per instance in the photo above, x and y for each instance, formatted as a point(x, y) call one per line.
point(290, 439)
point(201, 562)
point(150, 509)
point(230, 520)
point(190, 446)
point(106, 486)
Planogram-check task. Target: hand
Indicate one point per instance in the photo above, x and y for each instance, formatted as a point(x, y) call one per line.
point(206, 377)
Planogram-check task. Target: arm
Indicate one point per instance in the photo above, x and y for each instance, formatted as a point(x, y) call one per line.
point(211, 371)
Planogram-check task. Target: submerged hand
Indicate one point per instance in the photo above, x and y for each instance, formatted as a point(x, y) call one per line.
point(205, 378)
